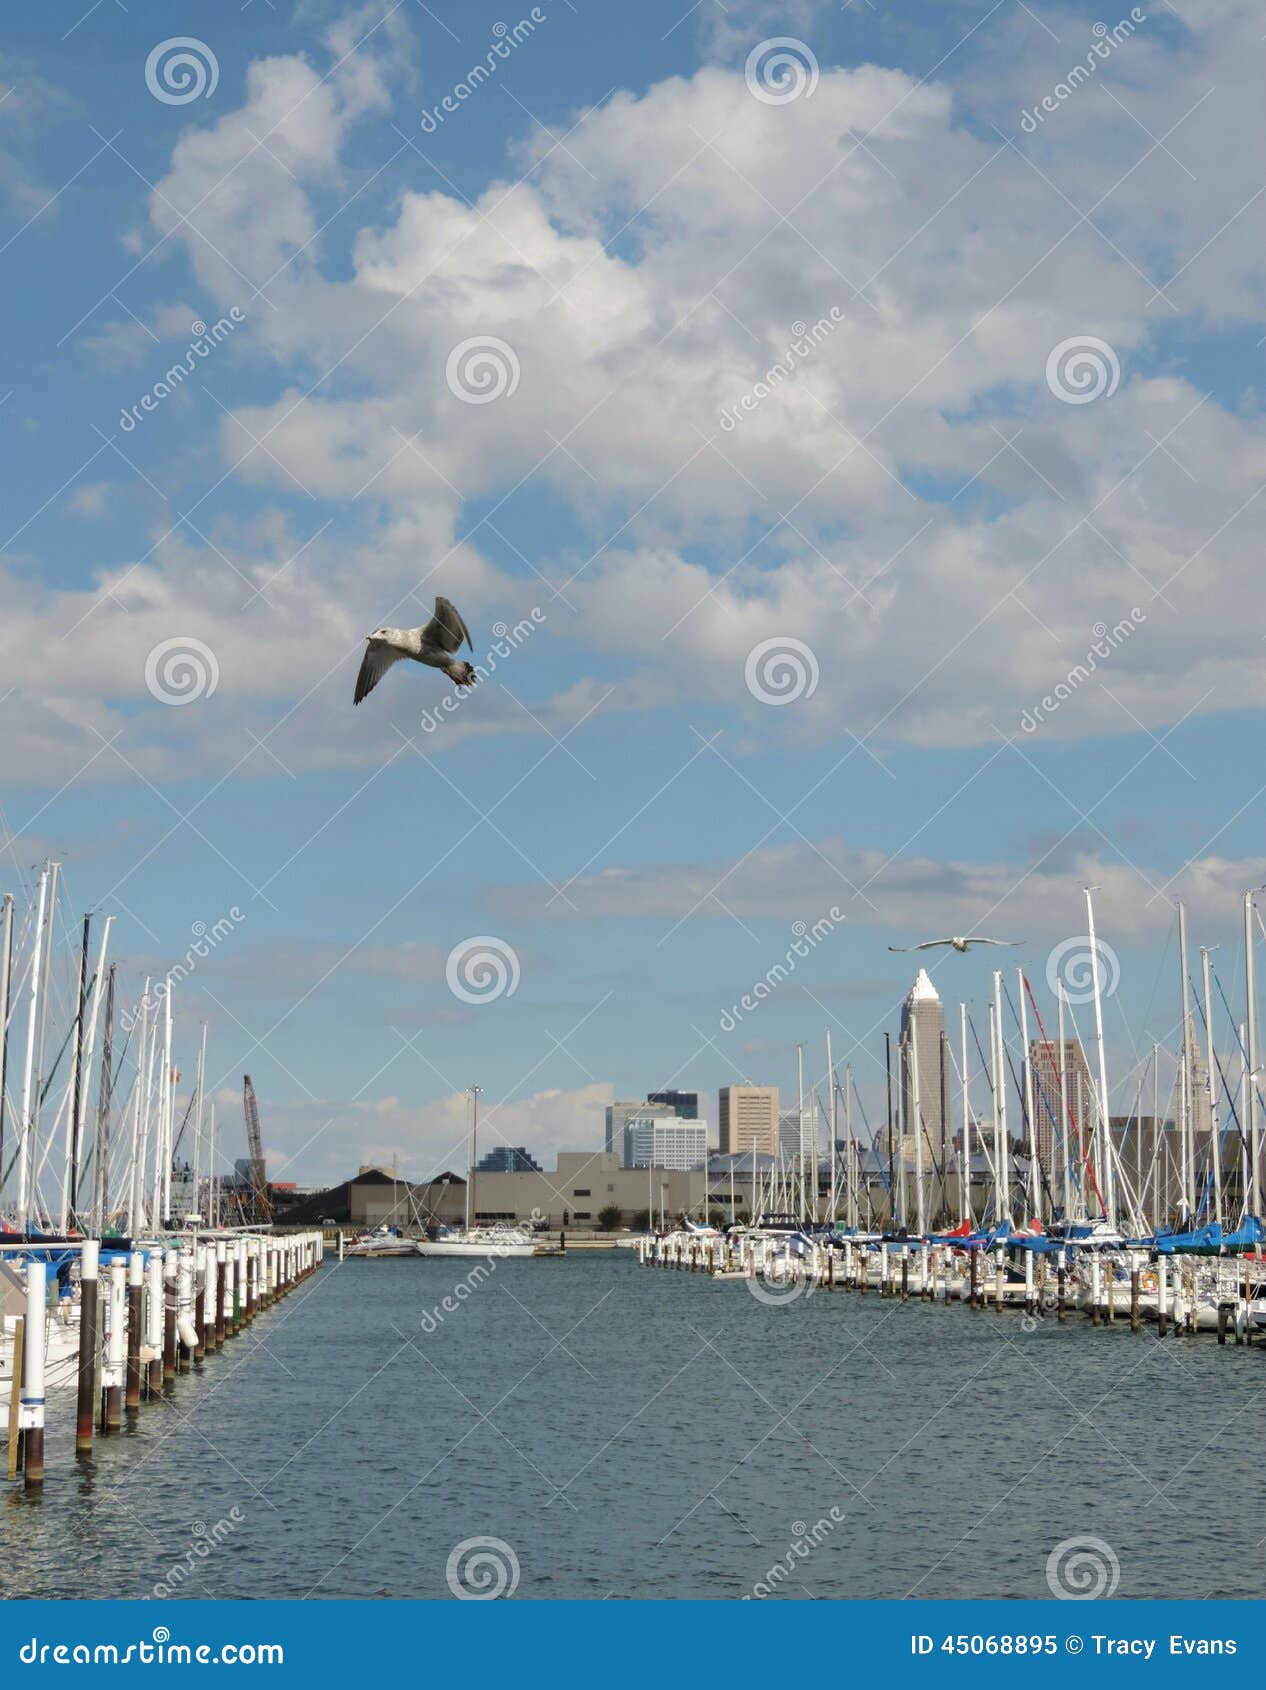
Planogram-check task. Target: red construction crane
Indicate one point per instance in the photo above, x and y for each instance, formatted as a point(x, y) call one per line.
point(261, 1202)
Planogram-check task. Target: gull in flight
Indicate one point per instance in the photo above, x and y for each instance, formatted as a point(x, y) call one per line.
point(959, 943)
point(434, 644)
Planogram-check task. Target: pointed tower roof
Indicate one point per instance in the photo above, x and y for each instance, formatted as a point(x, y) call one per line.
point(923, 991)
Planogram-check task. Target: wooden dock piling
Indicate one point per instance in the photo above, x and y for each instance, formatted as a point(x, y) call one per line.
point(86, 1403)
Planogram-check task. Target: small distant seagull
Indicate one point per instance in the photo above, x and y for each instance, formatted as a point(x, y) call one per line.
point(434, 645)
point(959, 944)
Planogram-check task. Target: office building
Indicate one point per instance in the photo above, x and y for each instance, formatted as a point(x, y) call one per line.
point(797, 1131)
point(748, 1119)
point(683, 1103)
point(665, 1141)
point(1060, 1127)
point(618, 1114)
point(507, 1160)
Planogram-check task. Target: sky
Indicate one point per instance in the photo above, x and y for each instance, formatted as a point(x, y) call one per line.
point(841, 427)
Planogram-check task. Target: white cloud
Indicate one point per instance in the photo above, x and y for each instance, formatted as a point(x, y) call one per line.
point(914, 896)
point(329, 1139)
point(913, 499)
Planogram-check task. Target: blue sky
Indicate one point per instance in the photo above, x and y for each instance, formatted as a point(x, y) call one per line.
point(930, 524)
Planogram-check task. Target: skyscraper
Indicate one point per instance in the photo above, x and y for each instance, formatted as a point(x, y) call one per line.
point(617, 1119)
point(923, 1031)
point(748, 1119)
point(1060, 1129)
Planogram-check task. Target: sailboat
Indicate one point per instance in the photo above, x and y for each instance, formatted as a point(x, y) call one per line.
point(499, 1239)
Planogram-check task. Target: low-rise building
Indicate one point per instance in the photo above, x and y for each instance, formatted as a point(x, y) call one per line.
point(583, 1184)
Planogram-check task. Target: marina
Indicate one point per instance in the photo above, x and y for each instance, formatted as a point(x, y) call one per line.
point(628, 1432)
point(632, 901)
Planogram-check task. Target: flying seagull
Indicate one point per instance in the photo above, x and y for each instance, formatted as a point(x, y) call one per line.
point(959, 944)
point(434, 644)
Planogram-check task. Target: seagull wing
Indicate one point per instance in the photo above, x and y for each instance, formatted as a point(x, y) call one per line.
point(975, 941)
point(378, 658)
point(446, 628)
point(927, 945)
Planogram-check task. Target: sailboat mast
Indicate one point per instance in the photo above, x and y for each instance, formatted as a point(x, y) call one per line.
point(1035, 1171)
point(1109, 1185)
point(1002, 1147)
point(1185, 1100)
point(1215, 1148)
point(1253, 1195)
point(27, 1124)
point(471, 1210)
point(1065, 1133)
point(831, 1128)
point(964, 1143)
point(101, 1146)
point(197, 1125)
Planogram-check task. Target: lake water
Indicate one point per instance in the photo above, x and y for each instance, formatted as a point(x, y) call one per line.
point(627, 1432)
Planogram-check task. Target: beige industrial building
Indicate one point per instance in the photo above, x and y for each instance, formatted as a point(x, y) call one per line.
point(748, 1119)
point(584, 1183)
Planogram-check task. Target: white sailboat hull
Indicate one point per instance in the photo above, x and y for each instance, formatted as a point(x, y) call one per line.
point(472, 1247)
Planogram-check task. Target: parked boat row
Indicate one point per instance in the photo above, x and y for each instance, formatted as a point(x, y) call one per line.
point(389, 1241)
point(1106, 1277)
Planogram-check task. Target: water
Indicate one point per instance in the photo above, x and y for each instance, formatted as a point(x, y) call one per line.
point(627, 1432)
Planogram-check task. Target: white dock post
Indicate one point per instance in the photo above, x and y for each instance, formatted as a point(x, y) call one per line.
point(31, 1402)
point(112, 1366)
point(154, 1320)
point(221, 1289)
point(135, 1321)
point(184, 1309)
point(230, 1274)
point(209, 1301)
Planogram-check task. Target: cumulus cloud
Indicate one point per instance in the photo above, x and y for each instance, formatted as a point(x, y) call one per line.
point(909, 494)
point(329, 1139)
